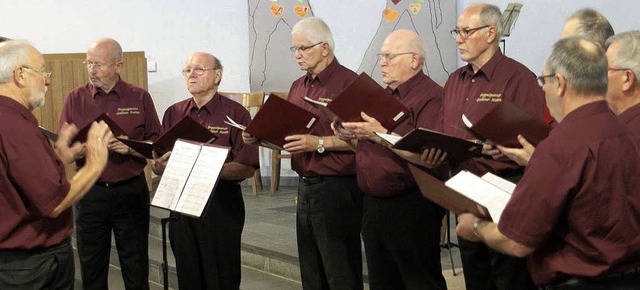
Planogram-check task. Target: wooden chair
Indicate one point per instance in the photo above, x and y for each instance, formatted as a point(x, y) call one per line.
point(252, 101)
point(276, 156)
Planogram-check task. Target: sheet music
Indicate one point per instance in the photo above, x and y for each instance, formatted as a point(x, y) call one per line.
point(500, 182)
point(390, 138)
point(480, 191)
point(175, 175)
point(203, 179)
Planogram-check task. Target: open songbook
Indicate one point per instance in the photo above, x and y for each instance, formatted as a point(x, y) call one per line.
point(278, 118)
point(187, 129)
point(363, 95)
point(420, 139)
point(503, 124)
point(115, 129)
point(190, 177)
point(484, 196)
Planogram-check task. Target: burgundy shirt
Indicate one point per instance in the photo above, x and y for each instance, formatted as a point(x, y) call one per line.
point(578, 203)
point(212, 116)
point(381, 172)
point(32, 182)
point(128, 106)
point(324, 87)
point(631, 117)
point(474, 95)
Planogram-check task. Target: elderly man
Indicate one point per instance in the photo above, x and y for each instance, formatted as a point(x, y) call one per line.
point(473, 90)
point(119, 201)
point(588, 23)
point(329, 209)
point(623, 93)
point(207, 249)
point(574, 211)
point(35, 248)
point(400, 228)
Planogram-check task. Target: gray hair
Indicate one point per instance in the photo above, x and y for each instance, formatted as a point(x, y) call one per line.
point(13, 53)
point(491, 15)
point(582, 63)
point(315, 29)
point(592, 25)
point(628, 55)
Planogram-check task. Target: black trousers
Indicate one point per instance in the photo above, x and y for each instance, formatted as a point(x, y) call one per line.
point(402, 242)
point(486, 269)
point(123, 209)
point(328, 223)
point(207, 249)
point(48, 268)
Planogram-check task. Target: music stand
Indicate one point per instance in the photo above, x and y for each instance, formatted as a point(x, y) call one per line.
point(508, 21)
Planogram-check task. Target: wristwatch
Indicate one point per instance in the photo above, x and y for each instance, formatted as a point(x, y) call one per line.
point(320, 145)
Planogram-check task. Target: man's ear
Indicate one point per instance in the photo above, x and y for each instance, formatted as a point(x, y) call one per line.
point(561, 82)
point(325, 49)
point(19, 76)
point(629, 83)
point(492, 34)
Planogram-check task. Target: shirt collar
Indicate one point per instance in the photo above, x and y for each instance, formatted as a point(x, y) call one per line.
point(209, 106)
point(118, 88)
point(630, 113)
point(488, 69)
point(19, 108)
point(323, 75)
point(403, 89)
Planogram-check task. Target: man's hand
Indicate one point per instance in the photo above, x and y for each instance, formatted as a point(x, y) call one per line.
point(519, 155)
point(464, 228)
point(365, 130)
point(489, 148)
point(116, 146)
point(301, 143)
point(249, 139)
point(66, 152)
point(160, 162)
point(341, 132)
point(97, 152)
point(433, 157)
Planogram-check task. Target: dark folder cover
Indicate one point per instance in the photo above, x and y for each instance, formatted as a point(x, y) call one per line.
point(187, 129)
point(115, 129)
point(505, 121)
point(365, 95)
point(436, 191)
point(279, 118)
point(420, 139)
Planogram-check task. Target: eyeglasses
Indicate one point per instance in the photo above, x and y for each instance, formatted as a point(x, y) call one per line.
point(303, 48)
point(45, 75)
point(541, 80)
point(97, 65)
point(464, 33)
point(619, 69)
point(198, 70)
point(391, 56)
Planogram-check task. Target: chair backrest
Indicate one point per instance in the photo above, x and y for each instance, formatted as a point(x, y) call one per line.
point(252, 101)
point(282, 95)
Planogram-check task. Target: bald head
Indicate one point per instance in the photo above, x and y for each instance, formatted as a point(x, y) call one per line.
point(589, 24)
point(110, 46)
point(583, 64)
point(408, 40)
point(14, 54)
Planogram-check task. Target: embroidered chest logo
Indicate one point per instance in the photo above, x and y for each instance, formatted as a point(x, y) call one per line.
point(489, 97)
point(128, 111)
point(325, 100)
point(218, 130)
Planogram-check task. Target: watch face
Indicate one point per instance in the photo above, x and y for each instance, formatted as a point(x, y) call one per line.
point(320, 149)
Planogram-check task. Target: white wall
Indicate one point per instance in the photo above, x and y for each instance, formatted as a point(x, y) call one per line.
point(541, 21)
point(168, 31)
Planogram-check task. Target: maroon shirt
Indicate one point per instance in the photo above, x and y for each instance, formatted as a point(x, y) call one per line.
point(32, 182)
point(578, 203)
point(212, 116)
point(324, 87)
point(474, 95)
point(381, 172)
point(631, 117)
point(128, 106)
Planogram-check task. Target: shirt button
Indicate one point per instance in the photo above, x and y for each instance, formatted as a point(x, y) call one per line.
point(473, 80)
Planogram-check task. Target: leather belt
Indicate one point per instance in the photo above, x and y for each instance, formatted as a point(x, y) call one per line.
point(577, 281)
point(118, 183)
point(308, 180)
